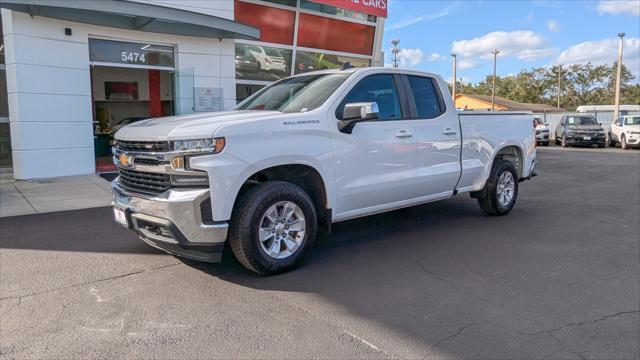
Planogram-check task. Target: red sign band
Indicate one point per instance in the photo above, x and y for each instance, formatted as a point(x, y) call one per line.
point(373, 7)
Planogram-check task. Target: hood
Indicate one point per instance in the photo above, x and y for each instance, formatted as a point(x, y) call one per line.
point(585, 127)
point(192, 126)
point(542, 127)
point(632, 127)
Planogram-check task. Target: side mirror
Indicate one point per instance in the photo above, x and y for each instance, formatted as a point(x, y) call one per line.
point(357, 112)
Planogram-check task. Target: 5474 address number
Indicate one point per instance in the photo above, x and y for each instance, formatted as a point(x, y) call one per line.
point(129, 56)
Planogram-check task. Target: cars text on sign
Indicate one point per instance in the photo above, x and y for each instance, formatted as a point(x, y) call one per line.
point(373, 7)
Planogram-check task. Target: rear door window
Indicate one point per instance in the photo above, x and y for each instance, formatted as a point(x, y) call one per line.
point(427, 99)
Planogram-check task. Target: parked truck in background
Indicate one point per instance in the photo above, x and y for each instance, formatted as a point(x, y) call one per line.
point(309, 151)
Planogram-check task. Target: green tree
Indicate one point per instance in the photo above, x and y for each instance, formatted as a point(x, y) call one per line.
point(581, 84)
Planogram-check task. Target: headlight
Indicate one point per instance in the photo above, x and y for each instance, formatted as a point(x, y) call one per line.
point(214, 145)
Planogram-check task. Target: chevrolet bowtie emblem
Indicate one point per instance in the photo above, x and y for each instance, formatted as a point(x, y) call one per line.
point(125, 160)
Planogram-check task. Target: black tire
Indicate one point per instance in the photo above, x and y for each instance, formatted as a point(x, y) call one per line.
point(546, 143)
point(609, 140)
point(564, 141)
point(489, 203)
point(245, 222)
point(601, 146)
point(623, 143)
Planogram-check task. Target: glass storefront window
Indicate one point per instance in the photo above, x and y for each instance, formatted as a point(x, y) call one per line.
point(5, 130)
point(327, 9)
point(119, 52)
point(283, 2)
point(259, 62)
point(312, 61)
point(243, 91)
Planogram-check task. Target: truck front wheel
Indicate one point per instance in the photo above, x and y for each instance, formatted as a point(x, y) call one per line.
point(501, 189)
point(273, 226)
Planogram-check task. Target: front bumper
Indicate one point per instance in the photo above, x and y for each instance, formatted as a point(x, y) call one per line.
point(542, 137)
point(633, 140)
point(173, 221)
point(580, 140)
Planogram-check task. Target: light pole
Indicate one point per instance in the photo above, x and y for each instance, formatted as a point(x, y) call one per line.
point(453, 86)
point(495, 53)
point(559, 79)
point(395, 51)
point(616, 107)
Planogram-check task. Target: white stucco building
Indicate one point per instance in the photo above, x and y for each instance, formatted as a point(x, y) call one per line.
point(77, 70)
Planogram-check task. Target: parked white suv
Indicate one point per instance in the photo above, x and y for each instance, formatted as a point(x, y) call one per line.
point(542, 131)
point(626, 131)
point(308, 151)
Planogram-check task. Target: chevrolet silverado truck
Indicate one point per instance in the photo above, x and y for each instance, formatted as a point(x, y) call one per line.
point(308, 151)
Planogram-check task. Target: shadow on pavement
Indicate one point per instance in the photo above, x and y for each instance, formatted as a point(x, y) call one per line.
point(76, 230)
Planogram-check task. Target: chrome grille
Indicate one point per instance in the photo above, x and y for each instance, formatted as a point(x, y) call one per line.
point(142, 146)
point(144, 181)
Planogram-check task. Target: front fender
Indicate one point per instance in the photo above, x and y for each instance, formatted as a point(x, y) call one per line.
point(228, 173)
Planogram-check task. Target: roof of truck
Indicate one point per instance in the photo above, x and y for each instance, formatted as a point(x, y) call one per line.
point(369, 69)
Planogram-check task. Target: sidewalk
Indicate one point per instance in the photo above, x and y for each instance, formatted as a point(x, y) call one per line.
point(55, 194)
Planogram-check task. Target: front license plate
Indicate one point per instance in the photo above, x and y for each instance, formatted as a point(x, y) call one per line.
point(587, 137)
point(121, 217)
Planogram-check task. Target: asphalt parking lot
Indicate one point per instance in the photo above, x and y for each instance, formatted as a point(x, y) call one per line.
point(557, 278)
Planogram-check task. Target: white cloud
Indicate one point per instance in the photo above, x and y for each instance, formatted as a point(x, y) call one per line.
point(403, 24)
point(465, 64)
point(601, 52)
point(532, 54)
point(552, 25)
point(615, 7)
point(410, 57)
point(435, 57)
point(522, 43)
point(604, 52)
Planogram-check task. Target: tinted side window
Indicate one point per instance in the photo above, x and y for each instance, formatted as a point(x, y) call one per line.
point(426, 97)
point(380, 89)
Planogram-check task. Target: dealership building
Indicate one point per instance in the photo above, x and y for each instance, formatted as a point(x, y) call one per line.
point(73, 72)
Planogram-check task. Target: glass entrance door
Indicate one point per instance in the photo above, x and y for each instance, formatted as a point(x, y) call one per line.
point(130, 82)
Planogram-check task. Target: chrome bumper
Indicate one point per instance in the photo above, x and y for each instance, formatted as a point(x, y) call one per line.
point(172, 221)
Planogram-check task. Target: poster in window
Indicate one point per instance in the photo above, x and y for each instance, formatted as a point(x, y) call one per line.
point(117, 90)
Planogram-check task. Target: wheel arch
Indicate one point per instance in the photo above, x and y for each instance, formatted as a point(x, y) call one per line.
point(304, 175)
point(514, 154)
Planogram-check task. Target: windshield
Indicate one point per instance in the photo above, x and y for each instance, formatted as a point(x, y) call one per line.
point(635, 120)
point(581, 120)
point(296, 94)
point(272, 52)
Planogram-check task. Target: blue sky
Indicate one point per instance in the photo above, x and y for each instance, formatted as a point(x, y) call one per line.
point(528, 33)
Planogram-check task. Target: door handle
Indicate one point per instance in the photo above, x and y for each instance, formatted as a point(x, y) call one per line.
point(449, 131)
point(403, 134)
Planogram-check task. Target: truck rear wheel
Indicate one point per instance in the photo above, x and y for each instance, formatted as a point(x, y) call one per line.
point(273, 226)
point(501, 189)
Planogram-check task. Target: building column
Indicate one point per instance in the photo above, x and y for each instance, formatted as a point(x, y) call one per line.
point(49, 95)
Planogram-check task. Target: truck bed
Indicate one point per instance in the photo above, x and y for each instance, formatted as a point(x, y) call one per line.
point(485, 131)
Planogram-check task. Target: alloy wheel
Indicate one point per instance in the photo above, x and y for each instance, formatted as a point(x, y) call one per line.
point(282, 230)
point(505, 189)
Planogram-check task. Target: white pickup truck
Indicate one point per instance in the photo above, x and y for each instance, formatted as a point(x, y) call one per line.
point(308, 151)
